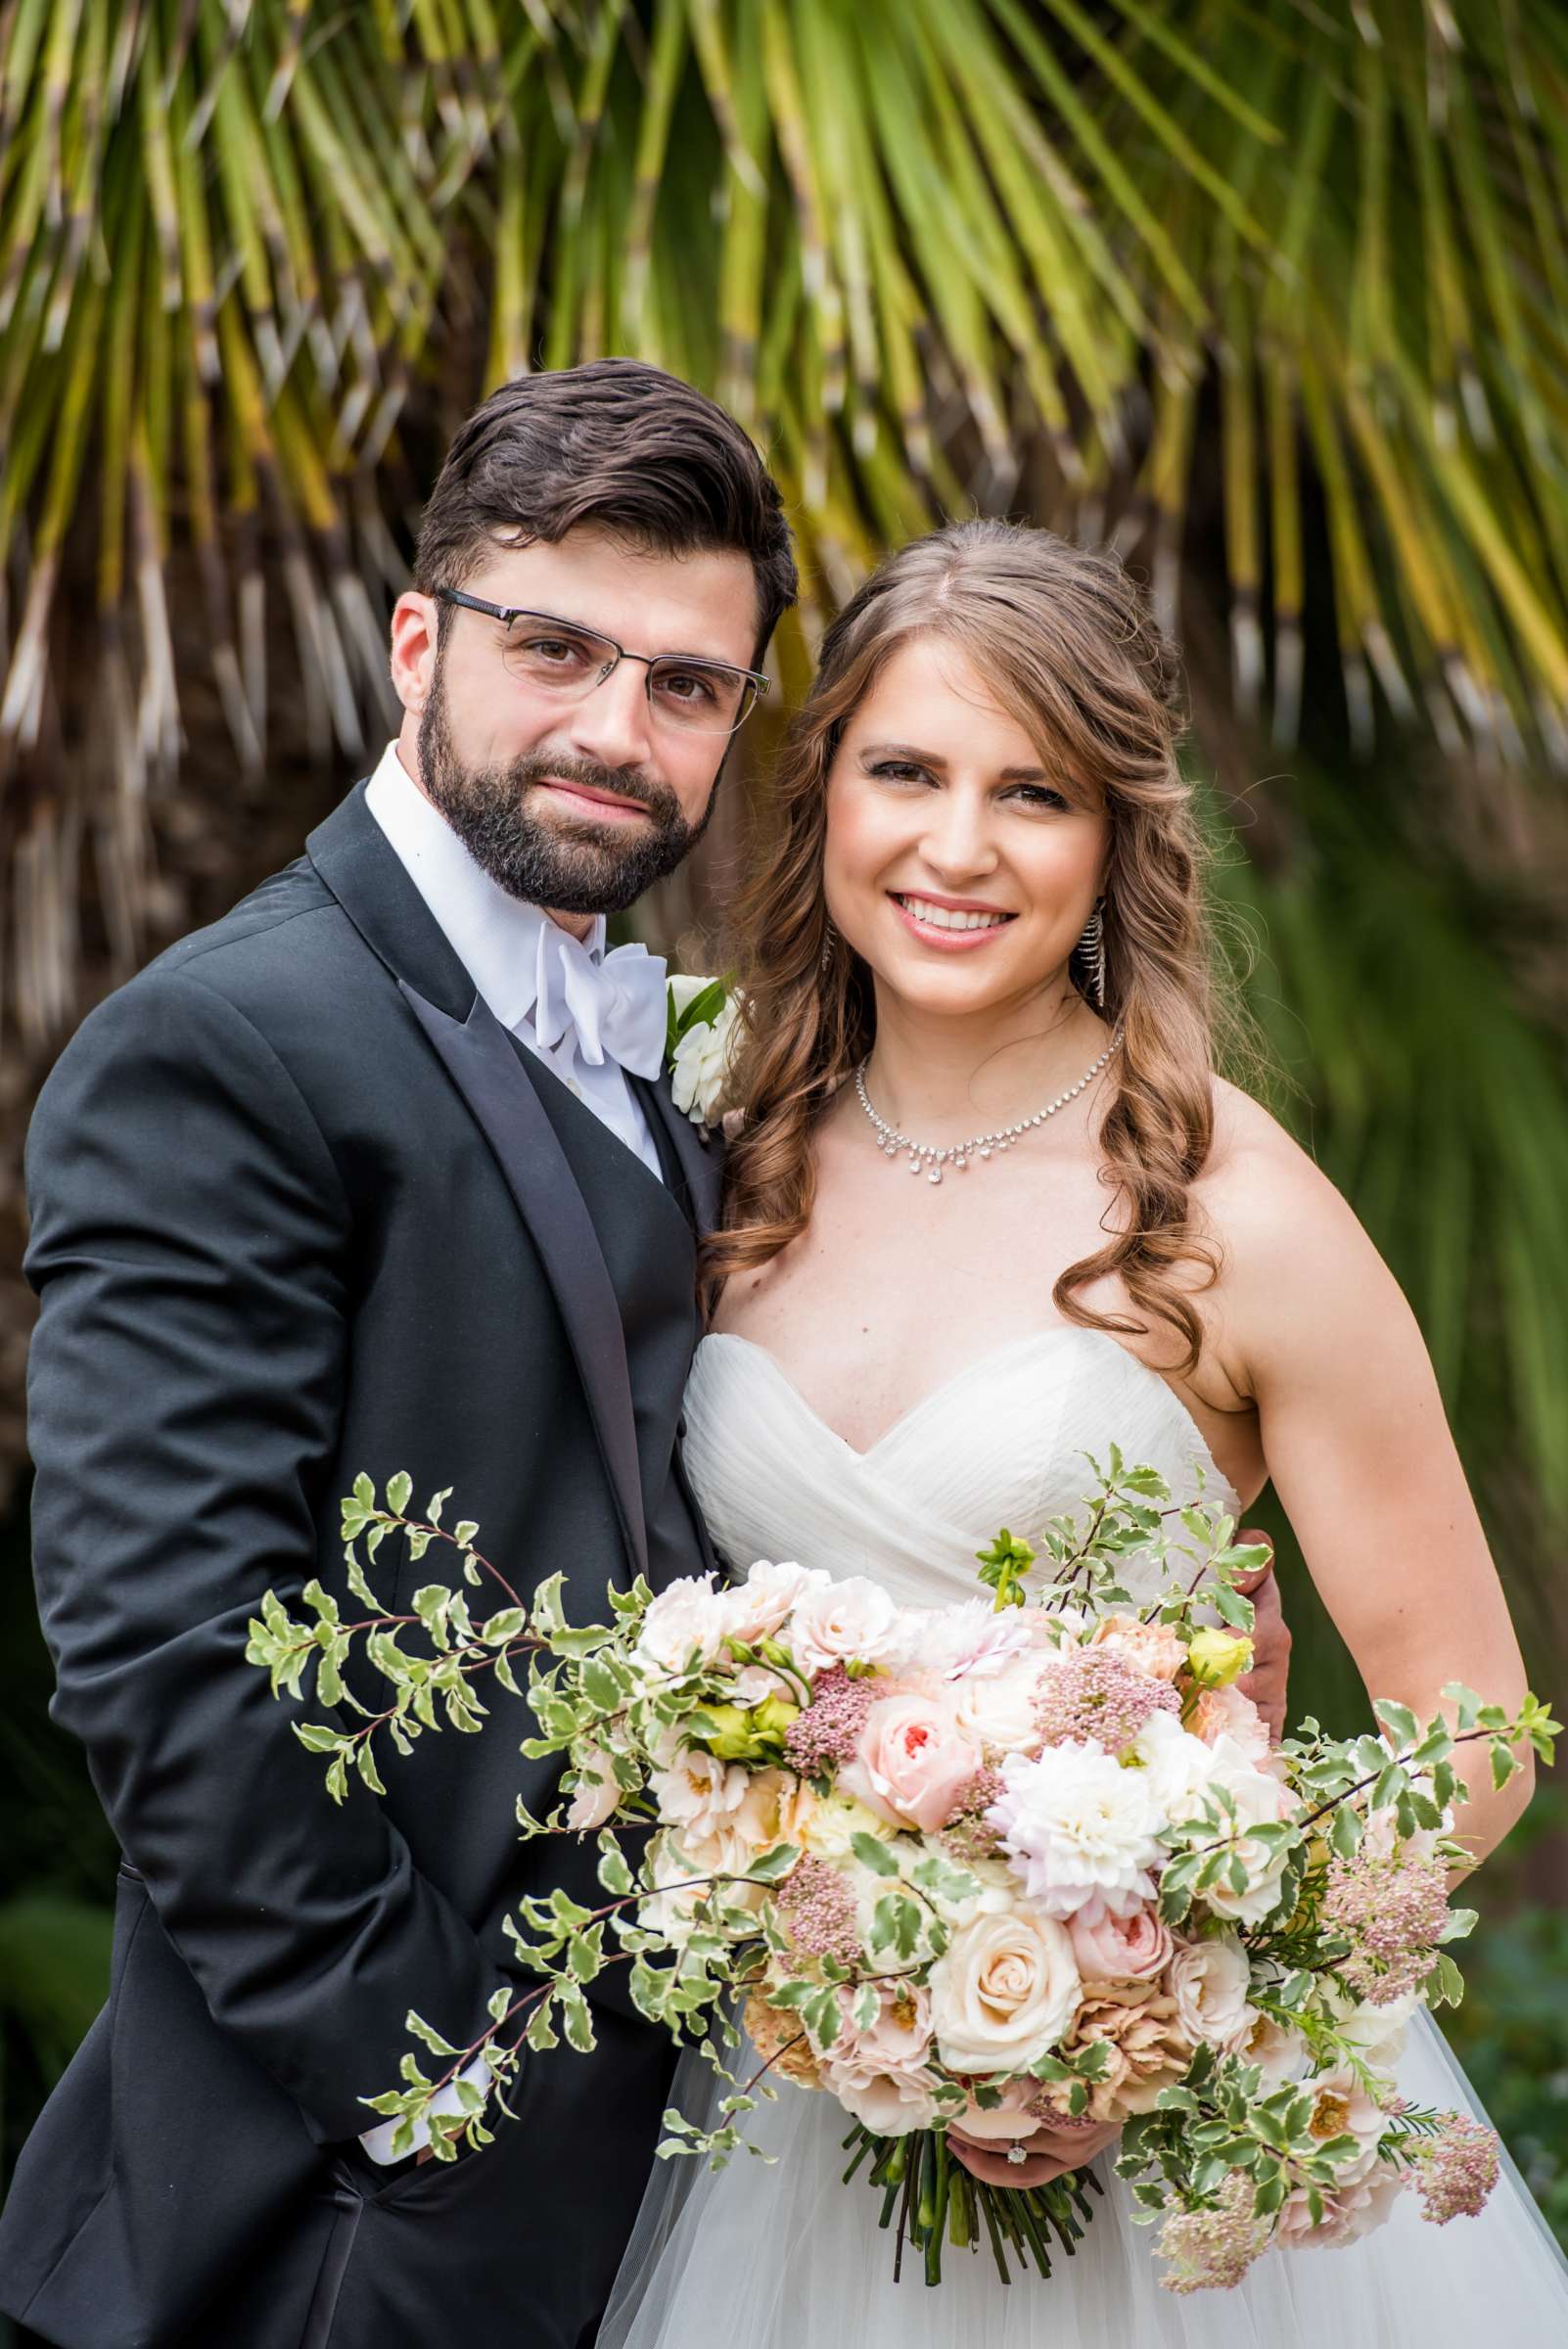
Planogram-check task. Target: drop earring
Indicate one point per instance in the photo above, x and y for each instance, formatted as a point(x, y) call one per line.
point(1092, 945)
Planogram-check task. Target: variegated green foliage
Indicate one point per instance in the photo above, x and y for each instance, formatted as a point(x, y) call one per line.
point(1272, 296)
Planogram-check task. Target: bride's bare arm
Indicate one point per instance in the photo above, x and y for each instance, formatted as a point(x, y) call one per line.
point(1319, 1333)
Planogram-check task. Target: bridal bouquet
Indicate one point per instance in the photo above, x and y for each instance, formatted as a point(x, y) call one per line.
point(1027, 1858)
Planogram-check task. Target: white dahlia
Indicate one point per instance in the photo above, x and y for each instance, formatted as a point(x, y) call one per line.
point(1075, 1824)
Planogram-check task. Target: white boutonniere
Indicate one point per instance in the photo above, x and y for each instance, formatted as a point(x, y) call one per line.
point(699, 1039)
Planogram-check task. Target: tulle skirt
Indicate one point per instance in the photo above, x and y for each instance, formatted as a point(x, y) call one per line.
point(782, 2255)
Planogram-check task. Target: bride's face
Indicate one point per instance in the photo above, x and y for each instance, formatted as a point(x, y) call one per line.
point(957, 862)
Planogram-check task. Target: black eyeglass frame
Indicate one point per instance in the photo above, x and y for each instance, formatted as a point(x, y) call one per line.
point(506, 613)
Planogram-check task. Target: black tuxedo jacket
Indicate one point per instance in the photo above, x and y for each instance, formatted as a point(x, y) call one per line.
point(300, 1208)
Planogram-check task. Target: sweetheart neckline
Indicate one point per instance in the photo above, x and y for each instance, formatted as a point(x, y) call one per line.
point(939, 1392)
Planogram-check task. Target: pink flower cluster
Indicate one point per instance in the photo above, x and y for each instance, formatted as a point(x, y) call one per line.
point(1393, 1908)
point(828, 1731)
point(1093, 1692)
point(969, 1834)
point(1211, 2250)
point(820, 1909)
point(1456, 2169)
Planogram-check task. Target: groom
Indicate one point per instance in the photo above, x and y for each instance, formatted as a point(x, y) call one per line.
point(380, 1172)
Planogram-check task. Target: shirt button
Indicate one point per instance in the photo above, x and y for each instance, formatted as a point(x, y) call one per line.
point(573, 1086)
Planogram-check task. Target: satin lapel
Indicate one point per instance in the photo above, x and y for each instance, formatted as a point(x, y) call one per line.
point(484, 1068)
point(702, 1163)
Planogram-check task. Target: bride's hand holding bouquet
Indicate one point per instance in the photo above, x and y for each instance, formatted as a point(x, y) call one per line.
point(1006, 1878)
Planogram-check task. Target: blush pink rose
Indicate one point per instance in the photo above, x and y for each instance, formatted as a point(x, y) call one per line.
point(1151, 1648)
point(1226, 1713)
point(897, 2040)
point(1119, 1949)
point(910, 1763)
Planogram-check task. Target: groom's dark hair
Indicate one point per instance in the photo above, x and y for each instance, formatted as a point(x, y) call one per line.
point(619, 443)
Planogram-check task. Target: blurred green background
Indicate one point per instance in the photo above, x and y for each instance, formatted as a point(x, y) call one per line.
point(1272, 298)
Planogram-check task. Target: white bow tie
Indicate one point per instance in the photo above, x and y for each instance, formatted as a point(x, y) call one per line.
point(614, 1007)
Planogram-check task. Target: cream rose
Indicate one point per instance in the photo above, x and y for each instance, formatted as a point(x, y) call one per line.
point(756, 1608)
point(829, 1830)
point(1260, 1800)
point(897, 2040)
point(1209, 1981)
point(841, 1622)
point(687, 1614)
point(1342, 2107)
point(676, 1870)
point(777, 1806)
point(1376, 2033)
point(890, 2104)
point(998, 1708)
point(1004, 1992)
point(1279, 2053)
point(595, 1796)
point(698, 1792)
point(910, 1763)
point(1348, 2213)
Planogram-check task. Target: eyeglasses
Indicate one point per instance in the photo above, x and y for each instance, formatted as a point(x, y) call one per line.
point(558, 656)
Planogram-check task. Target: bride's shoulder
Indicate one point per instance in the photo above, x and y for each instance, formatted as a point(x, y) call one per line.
point(1258, 1186)
point(1287, 1235)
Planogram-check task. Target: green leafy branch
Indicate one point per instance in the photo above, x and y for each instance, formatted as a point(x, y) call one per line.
point(1125, 1520)
point(287, 1647)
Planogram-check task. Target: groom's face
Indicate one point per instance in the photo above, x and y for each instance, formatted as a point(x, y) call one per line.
point(577, 803)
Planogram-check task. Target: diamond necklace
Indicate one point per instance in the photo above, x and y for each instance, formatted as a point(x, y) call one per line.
point(924, 1158)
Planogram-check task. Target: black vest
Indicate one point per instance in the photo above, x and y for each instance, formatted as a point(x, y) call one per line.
point(645, 1229)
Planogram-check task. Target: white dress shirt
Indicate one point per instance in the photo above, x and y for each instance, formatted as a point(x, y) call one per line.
point(501, 944)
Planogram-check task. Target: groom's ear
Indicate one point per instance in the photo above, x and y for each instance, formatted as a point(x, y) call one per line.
point(415, 637)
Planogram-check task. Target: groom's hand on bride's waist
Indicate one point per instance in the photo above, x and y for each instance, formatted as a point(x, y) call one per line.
point(1270, 1638)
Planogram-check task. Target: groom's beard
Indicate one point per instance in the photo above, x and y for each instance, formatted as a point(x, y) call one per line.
point(553, 861)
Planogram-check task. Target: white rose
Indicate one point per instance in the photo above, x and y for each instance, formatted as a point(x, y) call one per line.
point(698, 1792)
point(1209, 1981)
point(1279, 2051)
point(1176, 1767)
point(596, 1796)
point(680, 1873)
point(687, 1614)
point(997, 1895)
point(890, 2104)
point(830, 1831)
point(1259, 1799)
point(755, 1608)
point(1342, 2107)
point(1076, 1824)
point(843, 1619)
point(701, 1066)
point(998, 1708)
point(1004, 1992)
point(1377, 2032)
point(1354, 2211)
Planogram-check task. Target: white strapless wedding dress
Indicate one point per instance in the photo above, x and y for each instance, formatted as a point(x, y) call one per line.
point(782, 2255)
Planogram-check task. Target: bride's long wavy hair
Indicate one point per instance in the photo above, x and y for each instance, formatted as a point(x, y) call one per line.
point(1066, 642)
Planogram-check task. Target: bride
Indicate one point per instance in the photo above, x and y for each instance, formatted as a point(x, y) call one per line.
point(990, 1207)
